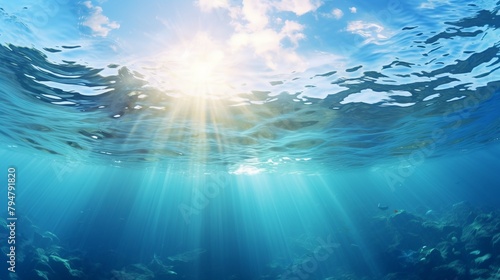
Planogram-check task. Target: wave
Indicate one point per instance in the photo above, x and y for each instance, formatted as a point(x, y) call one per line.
point(433, 90)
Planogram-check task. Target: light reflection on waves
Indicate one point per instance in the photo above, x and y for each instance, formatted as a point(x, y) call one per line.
point(359, 115)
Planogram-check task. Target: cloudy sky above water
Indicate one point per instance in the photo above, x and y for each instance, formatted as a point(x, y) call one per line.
point(228, 46)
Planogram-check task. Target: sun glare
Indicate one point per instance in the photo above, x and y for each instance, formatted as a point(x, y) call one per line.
point(203, 70)
point(199, 67)
point(199, 72)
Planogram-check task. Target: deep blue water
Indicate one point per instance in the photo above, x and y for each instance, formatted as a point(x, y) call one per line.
point(380, 164)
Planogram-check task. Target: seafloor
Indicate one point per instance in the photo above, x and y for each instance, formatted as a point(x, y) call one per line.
point(460, 243)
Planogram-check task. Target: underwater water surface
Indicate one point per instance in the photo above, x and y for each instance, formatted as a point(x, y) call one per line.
point(250, 139)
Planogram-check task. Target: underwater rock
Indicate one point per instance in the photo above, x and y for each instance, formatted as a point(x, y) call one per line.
point(160, 270)
point(431, 232)
point(484, 218)
point(400, 276)
point(43, 266)
point(475, 253)
point(41, 241)
point(462, 213)
point(451, 231)
point(403, 220)
point(434, 231)
point(480, 273)
point(122, 275)
point(409, 230)
point(382, 206)
point(39, 264)
point(433, 257)
point(397, 260)
point(409, 256)
point(40, 275)
point(45, 239)
point(110, 258)
point(39, 254)
point(432, 266)
point(188, 256)
point(479, 234)
point(451, 250)
point(133, 272)
point(62, 268)
point(495, 244)
point(452, 236)
point(455, 270)
point(483, 261)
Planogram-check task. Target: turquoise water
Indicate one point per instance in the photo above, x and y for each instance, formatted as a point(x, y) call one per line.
point(273, 140)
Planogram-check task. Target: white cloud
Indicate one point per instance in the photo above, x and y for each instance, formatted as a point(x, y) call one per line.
point(208, 5)
point(293, 31)
point(258, 28)
point(97, 22)
point(353, 10)
point(262, 41)
point(267, 44)
point(370, 31)
point(337, 13)
point(255, 12)
point(270, 38)
point(299, 7)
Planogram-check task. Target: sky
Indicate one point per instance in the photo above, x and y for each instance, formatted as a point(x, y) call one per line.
point(223, 41)
point(278, 34)
point(219, 42)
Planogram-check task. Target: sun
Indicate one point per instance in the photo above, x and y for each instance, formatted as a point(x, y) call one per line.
point(198, 74)
point(202, 71)
point(198, 67)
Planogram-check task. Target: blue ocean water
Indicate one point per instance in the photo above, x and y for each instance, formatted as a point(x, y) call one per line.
point(370, 152)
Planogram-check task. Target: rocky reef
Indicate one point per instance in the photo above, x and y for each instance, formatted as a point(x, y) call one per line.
point(41, 256)
point(460, 243)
